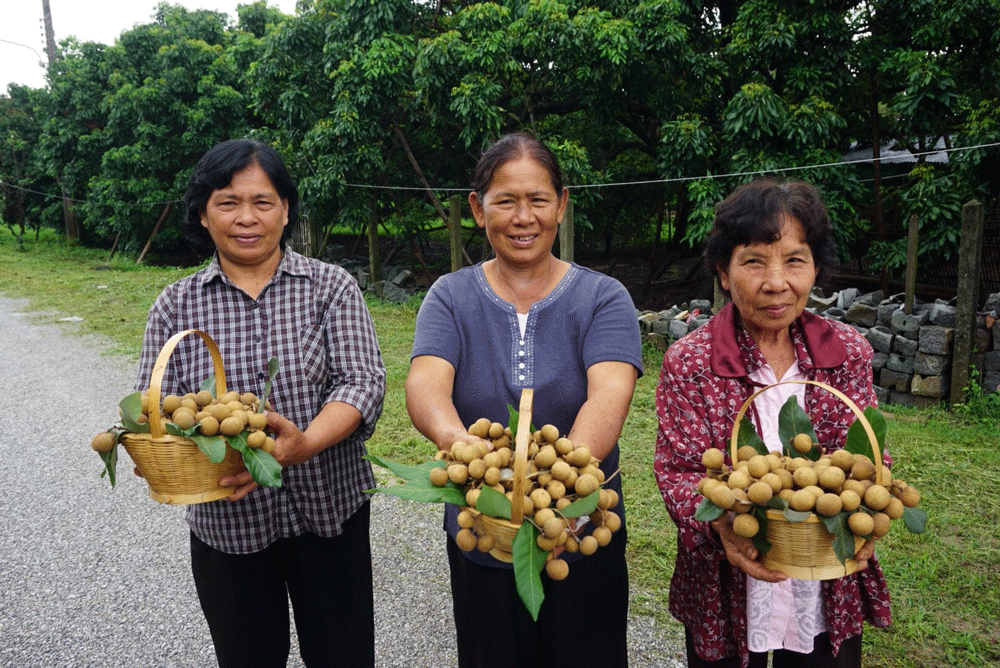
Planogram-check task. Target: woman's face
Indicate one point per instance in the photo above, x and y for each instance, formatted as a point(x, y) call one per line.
point(770, 283)
point(520, 212)
point(246, 219)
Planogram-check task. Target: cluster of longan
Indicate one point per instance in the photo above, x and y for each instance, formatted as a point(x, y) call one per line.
point(559, 472)
point(228, 415)
point(834, 483)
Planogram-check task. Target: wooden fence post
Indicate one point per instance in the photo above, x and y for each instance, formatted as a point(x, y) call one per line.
point(455, 231)
point(970, 252)
point(566, 233)
point(374, 258)
point(912, 238)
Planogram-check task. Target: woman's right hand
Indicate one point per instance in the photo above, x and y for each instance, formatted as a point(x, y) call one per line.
point(740, 551)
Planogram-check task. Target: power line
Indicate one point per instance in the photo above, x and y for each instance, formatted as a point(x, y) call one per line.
point(682, 179)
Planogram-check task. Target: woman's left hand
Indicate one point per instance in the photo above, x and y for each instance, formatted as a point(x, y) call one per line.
point(291, 447)
point(864, 554)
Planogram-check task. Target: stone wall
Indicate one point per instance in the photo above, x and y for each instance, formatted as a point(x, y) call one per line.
point(913, 352)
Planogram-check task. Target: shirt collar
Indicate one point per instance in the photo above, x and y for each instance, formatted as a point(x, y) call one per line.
point(734, 353)
point(291, 263)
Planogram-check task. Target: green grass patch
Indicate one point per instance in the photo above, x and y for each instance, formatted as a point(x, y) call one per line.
point(945, 583)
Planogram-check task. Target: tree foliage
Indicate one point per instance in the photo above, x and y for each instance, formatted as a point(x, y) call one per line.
point(382, 107)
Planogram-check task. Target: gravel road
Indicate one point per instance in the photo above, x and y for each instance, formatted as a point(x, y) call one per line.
point(95, 576)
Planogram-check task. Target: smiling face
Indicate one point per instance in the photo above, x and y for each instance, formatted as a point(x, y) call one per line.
point(770, 283)
point(520, 212)
point(246, 219)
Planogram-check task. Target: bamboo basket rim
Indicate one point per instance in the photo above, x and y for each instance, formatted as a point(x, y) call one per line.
point(158, 445)
point(496, 525)
point(811, 530)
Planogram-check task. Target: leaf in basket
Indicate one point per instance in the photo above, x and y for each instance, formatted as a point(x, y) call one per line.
point(915, 520)
point(796, 515)
point(272, 371)
point(110, 459)
point(760, 538)
point(582, 507)
point(209, 384)
point(747, 435)
point(131, 407)
point(843, 537)
point(708, 511)
point(214, 447)
point(857, 441)
point(407, 471)
point(493, 503)
point(528, 559)
point(512, 419)
point(264, 468)
point(793, 420)
point(429, 494)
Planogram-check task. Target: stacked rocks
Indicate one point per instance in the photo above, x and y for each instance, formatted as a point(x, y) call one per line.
point(913, 351)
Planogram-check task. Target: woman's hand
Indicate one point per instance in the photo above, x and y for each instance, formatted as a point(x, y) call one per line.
point(740, 551)
point(864, 553)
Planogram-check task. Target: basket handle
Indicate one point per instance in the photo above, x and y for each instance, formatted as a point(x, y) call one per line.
point(155, 426)
point(521, 440)
point(873, 441)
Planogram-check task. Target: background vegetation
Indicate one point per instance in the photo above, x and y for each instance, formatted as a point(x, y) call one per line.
point(945, 584)
point(382, 107)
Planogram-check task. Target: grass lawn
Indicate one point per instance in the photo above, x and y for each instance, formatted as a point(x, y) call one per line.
point(945, 584)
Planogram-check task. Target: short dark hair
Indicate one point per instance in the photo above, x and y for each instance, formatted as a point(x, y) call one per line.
point(753, 214)
point(215, 170)
point(511, 147)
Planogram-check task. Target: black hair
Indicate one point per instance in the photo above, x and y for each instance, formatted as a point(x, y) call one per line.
point(511, 147)
point(215, 170)
point(754, 212)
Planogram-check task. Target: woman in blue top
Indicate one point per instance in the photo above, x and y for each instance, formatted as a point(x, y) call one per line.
point(529, 319)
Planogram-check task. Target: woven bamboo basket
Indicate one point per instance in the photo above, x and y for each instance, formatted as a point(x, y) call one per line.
point(175, 469)
point(804, 550)
point(503, 531)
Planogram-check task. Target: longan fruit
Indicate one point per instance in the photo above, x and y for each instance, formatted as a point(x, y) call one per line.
point(492, 476)
point(773, 481)
point(439, 477)
point(486, 543)
point(760, 493)
point(785, 476)
point(269, 445)
point(171, 402)
point(219, 411)
point(103, 442)
point(612, 498)
point(465, 519)
point(546, 543)
point(248, 398)
point(231, 426)
point(713, 458)
point(477, 469)
point(877, 497)
point(722, 496)
point(496, 430)
point(612, 521)
point(804, 476)
point(203, 398)
point(832, 478)
point(553, 527)
point(602, 535)
point(586, 484)
point(458, 473)
point(842, 459)
point(540, 499)
point(544, 515)
point(863, 470)
point(255, 439)
point(746, 526)
point(894, 509)
point(546, 457)
point(861, 524)
point(466, 540)
point(257, 420)
point(564, 446)
point(850, 499)
point(829, 504)
point(802, 443)
point(739, 480)
point(882, 524)
point(856, 486)
point(184, 418)
point(802, 500)
point(556, 490)
point(745, 453)
point(579, 457)
point(550, 433)
point(472, 497)
point(757, 466)
point(588, 545)
point(557, 569)
point(910, 496)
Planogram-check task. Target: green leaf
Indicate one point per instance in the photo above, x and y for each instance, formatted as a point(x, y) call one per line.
point(110, 459)
point(512, 419)
point(272, 371)
point(857, 442)
point(796, 515)
point(708, 511)
point(581, 507)
point(843, 537)
point(430, 494)
point(264, 468)
point(528, 561)
point(493, 503)
point(131, 407)
point(747, 435)
point(760, 541)
point(407, 471)
point(915, 520)
point(209, 384)
point(214, 447)
point(793, 420)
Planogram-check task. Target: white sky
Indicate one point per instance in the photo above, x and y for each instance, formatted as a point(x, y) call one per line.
point(101, 21)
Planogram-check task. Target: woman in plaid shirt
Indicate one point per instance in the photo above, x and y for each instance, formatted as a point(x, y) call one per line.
point(308, 539)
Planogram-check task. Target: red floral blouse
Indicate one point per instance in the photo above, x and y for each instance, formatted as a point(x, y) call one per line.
point(703, 383)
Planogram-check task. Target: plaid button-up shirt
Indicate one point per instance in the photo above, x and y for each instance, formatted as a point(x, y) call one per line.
point(312, 317)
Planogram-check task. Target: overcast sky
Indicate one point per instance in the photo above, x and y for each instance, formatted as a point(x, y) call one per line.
point(100, 21)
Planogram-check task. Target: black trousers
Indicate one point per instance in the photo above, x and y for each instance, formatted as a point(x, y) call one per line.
point(821, 656)
point(329, 581)
point(583, 620)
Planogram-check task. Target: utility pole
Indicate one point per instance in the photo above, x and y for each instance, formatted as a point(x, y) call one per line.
point(69, 215)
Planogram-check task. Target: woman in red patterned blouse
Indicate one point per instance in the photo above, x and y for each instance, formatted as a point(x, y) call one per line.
point(770, 242)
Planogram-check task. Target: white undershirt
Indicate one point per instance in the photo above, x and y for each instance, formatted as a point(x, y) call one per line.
point(522, 321)
point(781, 615)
